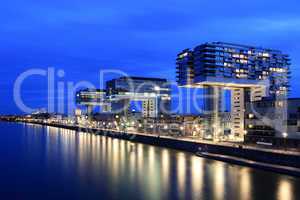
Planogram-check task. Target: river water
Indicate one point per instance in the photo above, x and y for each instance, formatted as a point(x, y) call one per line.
point(51, 163)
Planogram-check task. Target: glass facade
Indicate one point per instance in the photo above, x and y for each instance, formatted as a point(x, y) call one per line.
point(155, 94)
point(138, 85)
point(234, 63)
point(89, 96)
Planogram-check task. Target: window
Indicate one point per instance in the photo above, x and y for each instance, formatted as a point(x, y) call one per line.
point(293, 116)
point(280, 104)
point(292, 122)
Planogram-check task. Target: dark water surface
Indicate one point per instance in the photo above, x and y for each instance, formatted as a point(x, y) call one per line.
point(49, 163)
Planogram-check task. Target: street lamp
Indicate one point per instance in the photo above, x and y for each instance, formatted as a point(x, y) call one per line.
point(285, 135)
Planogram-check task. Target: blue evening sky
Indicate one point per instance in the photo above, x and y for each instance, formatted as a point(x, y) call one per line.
point(139, 37)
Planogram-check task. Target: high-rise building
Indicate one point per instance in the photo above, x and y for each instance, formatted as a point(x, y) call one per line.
point(249, 72)
point(91, 98)
point(154, 93)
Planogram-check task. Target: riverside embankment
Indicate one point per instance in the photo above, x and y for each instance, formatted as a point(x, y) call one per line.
point(271, 160)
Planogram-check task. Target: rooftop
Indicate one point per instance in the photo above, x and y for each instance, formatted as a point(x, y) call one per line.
point(234, 45)
point(142, 78)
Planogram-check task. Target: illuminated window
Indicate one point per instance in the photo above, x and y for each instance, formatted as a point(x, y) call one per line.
point(235, 55)
point(280, 104)
point(251, 116)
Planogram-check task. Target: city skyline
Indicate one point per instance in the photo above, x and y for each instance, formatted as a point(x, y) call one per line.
point(74, 41)
point(150, 99)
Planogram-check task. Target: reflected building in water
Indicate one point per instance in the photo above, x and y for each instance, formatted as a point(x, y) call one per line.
point(121, 168)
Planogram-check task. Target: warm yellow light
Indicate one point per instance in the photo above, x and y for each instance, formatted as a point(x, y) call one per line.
point(285, 190)
point(284, 135)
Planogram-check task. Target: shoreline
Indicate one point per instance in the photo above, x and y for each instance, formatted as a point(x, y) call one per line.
point(278, 162)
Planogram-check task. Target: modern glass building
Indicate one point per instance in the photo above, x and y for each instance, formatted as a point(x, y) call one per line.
point(91, 98)
point(153, 93)
point(221, 63)
point(249, 72)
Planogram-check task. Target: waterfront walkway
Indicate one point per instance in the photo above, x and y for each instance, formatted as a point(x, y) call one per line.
point(295, 152)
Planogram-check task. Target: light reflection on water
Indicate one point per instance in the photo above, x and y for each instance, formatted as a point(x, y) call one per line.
point(219, 180)
point(285, 190)
point(245, 184)
point(123, 169)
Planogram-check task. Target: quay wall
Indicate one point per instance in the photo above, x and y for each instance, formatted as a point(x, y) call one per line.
point(285, 163)
point(258, 155)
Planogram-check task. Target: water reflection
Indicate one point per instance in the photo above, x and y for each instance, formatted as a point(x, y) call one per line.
point(197, 176)
point(219, 180)
point(285, 190)
point(165, 170)
point(181, 174)
point(245, 180)
point(123, 169)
